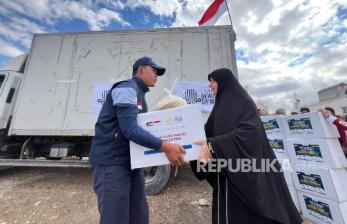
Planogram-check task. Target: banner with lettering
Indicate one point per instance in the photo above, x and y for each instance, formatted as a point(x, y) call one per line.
point(196, 93)
point(100, 91)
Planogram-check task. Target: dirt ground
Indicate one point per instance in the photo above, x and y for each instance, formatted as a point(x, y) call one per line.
point(65, 195)
point(61, 195)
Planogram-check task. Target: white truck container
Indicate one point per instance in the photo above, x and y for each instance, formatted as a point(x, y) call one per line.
point(46, 101)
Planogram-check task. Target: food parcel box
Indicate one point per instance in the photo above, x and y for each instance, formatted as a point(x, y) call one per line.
point(181, 125)
point(322, 210)
point(326, 183)
point(319, 152)
point(278, 147)
point(308, 125)
point(288, 172)
point(294, 197)
point(273, 126)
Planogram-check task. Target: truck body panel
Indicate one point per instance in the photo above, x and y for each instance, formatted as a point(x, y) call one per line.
point(63, 70)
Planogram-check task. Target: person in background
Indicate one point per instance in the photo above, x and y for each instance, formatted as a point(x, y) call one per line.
point(294, 112)
point(259, 112)
point(341, 125)
point(304, 110)
point(280, 111)
point(330, 109)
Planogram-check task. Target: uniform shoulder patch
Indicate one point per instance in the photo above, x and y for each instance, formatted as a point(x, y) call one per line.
point(124, 95)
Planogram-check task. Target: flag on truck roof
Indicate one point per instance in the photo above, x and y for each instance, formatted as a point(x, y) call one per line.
point(212, 14)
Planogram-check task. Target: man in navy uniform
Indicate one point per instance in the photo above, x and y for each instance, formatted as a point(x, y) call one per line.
point(120, 190)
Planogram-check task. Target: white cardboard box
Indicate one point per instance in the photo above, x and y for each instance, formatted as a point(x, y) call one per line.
point(288, 172)
point(288, 176)
point(278, 147)
point(283, 161)
point(294, 196)
point(322, 210)
point(309, 125)
point(273, 126)
point(318, 152)
point(327, 183)
point(181, 125)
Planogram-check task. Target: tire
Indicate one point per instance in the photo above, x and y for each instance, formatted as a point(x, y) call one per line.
point(156, 178)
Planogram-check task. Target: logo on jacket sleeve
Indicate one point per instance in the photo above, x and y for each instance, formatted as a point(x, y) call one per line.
point(139, 105)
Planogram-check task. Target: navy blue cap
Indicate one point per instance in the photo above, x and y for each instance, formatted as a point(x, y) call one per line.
point(149, 61)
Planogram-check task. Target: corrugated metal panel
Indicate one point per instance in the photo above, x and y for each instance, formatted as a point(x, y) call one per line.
point(56, 95)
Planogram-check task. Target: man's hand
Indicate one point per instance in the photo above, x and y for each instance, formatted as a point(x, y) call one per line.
point(205, 154)
point(325, 112)
point(174, 153)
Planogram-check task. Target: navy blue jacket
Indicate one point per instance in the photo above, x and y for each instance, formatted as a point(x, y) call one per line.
point(117, 124)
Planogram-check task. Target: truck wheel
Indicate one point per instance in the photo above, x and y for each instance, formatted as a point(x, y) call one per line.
point(156, 178)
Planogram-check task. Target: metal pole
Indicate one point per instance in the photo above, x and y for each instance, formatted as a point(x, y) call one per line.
point(226, 2)
point(233, 39)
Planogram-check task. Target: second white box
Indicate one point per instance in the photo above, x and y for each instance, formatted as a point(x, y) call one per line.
point(309, 125)
point(319, 152)
point(273, 126)
point(321, 210)
point(327, 183)
point(278, 147)
point(294, 196)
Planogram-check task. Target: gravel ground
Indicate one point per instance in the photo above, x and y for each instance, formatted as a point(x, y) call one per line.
point(59, 195)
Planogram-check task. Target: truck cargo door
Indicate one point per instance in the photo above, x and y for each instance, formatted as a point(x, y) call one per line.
point(3, 120)
point(9, 84)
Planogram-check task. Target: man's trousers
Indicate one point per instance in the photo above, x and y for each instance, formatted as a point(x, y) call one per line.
point(121, 194)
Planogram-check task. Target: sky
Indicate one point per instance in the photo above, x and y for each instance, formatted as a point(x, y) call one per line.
point(282, 46)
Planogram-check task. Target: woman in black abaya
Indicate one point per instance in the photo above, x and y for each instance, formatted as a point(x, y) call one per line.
point(234, 131)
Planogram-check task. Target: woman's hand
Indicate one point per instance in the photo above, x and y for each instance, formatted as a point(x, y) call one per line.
point(205, 154)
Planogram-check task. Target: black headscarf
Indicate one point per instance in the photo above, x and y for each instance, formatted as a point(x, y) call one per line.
point(235, 131)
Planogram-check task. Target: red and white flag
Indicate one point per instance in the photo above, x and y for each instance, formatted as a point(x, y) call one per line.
point(212, 14)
